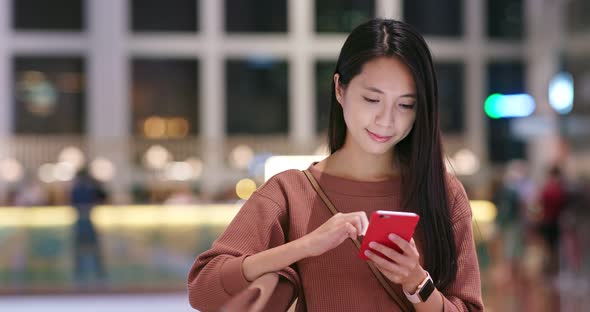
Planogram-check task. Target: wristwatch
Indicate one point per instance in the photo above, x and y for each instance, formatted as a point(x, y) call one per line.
point(425, 289)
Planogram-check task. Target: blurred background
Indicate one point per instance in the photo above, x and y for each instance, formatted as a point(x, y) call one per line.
point(131, 131)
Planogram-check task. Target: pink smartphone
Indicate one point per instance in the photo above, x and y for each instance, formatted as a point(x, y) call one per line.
point(383, 223)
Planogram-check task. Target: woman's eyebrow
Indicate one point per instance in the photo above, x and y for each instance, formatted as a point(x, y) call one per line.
point(410, 95)
point(374, 89)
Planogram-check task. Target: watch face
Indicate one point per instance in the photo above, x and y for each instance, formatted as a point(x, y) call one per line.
point(426, 291)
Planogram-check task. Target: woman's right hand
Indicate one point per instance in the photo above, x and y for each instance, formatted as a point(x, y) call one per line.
point(327, 236)
point(334, 231)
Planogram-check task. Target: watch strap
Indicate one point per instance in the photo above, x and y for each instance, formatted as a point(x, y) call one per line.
point(423, 292)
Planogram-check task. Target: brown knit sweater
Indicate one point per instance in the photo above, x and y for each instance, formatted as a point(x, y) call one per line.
point(287, 208)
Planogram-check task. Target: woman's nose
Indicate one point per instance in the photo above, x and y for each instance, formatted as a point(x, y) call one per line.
point(385, 117)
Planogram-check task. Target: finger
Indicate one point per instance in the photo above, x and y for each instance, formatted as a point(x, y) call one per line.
point(385, 268)
point(402, 244)
point(393, 276)
point(391, 253)
point(356, 221)
point(364, 222)
point(359, 225)
point(386, 265)
point(351, 230)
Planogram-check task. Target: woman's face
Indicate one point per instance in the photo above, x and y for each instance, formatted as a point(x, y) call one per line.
point(379, 105)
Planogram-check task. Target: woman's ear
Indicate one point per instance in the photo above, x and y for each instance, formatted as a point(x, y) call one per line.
point(338, 89)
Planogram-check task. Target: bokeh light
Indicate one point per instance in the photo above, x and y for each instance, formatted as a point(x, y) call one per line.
point(64, 171)
point(561, 93)
point(102, 169)
point(45, 173)
point(241, 156)
point(178, 171)
point(245, 188)
point(72, 155)
point(154, 127)
point(156, 157)
point(11, 170)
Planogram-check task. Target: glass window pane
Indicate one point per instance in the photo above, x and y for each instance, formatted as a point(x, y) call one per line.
point(575, 123)
point(324, 72)
point(48, 15)
point(257, 97)
point(451, 99)
point(505, 19)
point(253, 16)
point(577, 16)
point(49, 95)
point(447, 21)
point(164, 98)
point(342, 16)
point(164, 15)
point(579, 67)
point(504, 78)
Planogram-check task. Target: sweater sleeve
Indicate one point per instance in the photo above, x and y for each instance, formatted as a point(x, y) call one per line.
point(464, 294)
point(216, 274)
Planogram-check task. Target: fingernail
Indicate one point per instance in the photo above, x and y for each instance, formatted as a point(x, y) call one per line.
point(392, 236)
point(368, 253)
point(372, 244)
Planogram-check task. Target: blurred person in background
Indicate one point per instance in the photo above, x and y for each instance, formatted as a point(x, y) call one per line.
point(30, 193)
point(553, 199)
point(86, 193)
point(510, 224)
point(518, 178)
point(573, 222)
point(386, 154)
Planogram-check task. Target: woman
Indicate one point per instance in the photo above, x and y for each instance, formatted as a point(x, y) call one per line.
point(386, 154)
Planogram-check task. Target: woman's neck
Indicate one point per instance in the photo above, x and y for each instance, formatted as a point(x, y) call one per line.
point(357, 165)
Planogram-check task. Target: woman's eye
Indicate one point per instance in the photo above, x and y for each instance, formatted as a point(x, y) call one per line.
point(407, 106)
point(371, 100)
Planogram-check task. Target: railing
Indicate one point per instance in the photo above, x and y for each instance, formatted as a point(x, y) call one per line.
point(142, 248)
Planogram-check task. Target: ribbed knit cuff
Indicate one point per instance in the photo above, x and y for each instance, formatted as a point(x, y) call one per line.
point(232, 275)
point(448, 306)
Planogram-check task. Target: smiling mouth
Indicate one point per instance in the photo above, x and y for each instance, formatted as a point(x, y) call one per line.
point(378, 138)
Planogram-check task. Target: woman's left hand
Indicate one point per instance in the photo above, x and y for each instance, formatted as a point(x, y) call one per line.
point(401, 268)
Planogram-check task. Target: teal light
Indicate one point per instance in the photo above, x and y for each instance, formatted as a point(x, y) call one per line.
point(509, 105)
point(491, 106)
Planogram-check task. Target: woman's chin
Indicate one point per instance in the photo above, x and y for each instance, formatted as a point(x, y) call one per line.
point(377, 150)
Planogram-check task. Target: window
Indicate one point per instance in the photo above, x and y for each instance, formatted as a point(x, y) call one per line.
point(579, 67)
point(169, 15)
point(504, 78)
point(324, 72)
point(257, 96)
point(164, 98)
point(447, 21)
point(574, 125)
point(49, 95)
point(577, 16)
point(505, 19)
point(342, 16)
point(256, 16)
point(451, 99)
point(51, 15)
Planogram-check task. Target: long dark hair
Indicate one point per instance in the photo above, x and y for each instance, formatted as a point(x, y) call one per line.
point(420, 153)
